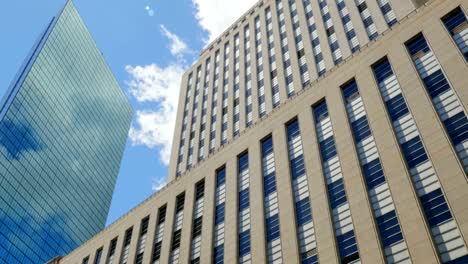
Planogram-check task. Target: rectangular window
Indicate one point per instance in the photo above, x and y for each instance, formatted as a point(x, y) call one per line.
point(110, 255)
point(97, 258)
point(457, 25)
point(159, 233)
point(126, 245)
point(445, 100)
point(377, 189)
point(305, 226)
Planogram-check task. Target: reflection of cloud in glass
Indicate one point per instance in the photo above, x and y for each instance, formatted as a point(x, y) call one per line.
point(41, 231)
point(23, 132)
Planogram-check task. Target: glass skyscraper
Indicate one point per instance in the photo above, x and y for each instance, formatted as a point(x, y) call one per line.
point(63, 127)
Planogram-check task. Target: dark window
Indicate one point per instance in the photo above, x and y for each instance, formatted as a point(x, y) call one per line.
point(244, 243)
point(414, 152)
point(218, 254)
point(128, 237)
point(200, 189)
point(219, 214)
point(389, 229)
point(180, 202)
point(347, 247)
point(197, 227)
point(144, 226)
point(176, 239)
point(373, 173)
point(303, 211)
point(243, 199)
point(272, 228)
point(161, 215)
point(457, 25)
point(337, 193)
point(435, 207)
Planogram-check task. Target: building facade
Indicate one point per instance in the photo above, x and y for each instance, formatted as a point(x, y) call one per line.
point(63, 127)
point(314, 132)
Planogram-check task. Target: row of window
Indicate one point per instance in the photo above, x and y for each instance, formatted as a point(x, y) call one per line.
point(439, 219)
point(272, 72)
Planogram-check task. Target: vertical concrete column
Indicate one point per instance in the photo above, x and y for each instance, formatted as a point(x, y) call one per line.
point(257, 216)
point(288, 227)
point(230, 128)
point(377, 16)
point(340, 33)
point(402, 8)
point(324, 44)
point(209, 110)
point(323, 224)
point(186, 236)
point(265, 57)
point(231, 211)
point(297, 83)
point(432, 133)
point(178, 129)
point(253, 66)
point(242, 73)
point(307, 42)
point(356, 19)
point(196, 143)
point(219, 115)
point(367, 237)
point(208, 217)
point(410, 215)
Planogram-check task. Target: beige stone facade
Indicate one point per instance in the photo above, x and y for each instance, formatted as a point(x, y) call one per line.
point(421, 242)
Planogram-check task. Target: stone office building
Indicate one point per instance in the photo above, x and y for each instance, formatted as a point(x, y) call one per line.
point(315, 131)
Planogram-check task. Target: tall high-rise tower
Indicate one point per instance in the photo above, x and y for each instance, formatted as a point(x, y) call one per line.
point(63, 128)
point(315, 131)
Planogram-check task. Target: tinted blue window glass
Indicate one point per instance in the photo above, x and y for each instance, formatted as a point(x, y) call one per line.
point(219, 213)
point(436, 83)
point(414, 152)
point(243, 199)
point(396, 107)
point(272, 228)
point(303, 211)
point(347, 247)
point(220, 177)
point(435, 207)
point(218, 254)
point(297, 166)
point(309, 259)
point(382, 70)
point(244, 243)
point(320, 111)
point(373, 173)
point(457, 127)
point(389, 228)
point(360, 129)
point(62, 134)
point(327, 148)
point(244, 162)
point(337, 193)
point(456, 23)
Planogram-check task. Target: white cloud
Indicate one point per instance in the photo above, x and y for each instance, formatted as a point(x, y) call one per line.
point(154, 128)
point(216, 16)
point(177, 46)
point(157, 184)
point(149, 10)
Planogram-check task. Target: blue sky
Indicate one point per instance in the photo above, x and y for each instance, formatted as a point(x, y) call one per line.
point(148, 44)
